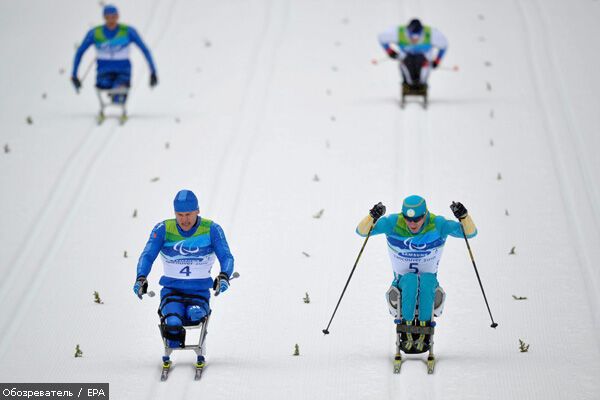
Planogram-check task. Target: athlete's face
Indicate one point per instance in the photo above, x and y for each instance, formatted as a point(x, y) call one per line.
point(414, 38)
point(415, 226)
point(186, 220)
point(111, 21)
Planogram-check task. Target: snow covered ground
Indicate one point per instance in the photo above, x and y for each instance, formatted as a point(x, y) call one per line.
point(255, 98)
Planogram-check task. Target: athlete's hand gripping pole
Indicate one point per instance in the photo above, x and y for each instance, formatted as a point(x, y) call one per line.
point(460, 212)
point(221, 283)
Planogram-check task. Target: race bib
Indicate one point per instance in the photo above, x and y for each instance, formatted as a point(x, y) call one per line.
point(404, 262)
point(196, 268)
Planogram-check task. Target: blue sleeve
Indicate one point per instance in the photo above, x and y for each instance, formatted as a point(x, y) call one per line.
point(88, 40)
point(383, 225)
point(153, 246)
point(217, 237)
point(450, 228)
point(440, 54)
point(135, 38)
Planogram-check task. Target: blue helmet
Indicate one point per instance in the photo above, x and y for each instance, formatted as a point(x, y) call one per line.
point(414, 206)
point(109, 9)
point(414, 27)
point(185, 201)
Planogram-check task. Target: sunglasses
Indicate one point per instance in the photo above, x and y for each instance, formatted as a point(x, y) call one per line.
point(413, 219)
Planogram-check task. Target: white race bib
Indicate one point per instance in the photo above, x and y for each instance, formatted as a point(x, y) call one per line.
point(193, 268)
point(407, 261)
point(107, 53)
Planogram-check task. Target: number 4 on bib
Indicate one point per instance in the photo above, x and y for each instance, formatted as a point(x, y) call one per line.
point(186, 271)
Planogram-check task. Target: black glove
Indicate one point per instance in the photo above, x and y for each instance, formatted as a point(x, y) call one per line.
point(76, 82)
point(153, 79)
point(392, 53)
point(458, 210)
point(221, 284)
point(377, 211)
point(140, 287)
point(435, 63)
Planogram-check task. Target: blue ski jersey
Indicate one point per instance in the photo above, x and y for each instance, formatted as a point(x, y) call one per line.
point(416, 252)
point(187, 256)
point(112, 49)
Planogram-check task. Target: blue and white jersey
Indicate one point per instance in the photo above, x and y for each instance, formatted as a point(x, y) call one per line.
point(187, 257)
point(416, 252)
point(429, 39)
point(112, 49)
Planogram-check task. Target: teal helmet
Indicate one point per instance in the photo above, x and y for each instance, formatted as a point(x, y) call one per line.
point(414, 206)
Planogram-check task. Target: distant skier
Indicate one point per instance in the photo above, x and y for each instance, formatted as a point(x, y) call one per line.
point(418, 48)
point(188, 245)
point(415, 241)
point(112, 42)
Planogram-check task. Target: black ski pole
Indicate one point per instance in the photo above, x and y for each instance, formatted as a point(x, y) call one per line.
point(326, 330)
point(494, 324)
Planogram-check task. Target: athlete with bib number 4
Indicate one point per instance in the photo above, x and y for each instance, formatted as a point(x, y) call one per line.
point(189, 245)
point(415, 240)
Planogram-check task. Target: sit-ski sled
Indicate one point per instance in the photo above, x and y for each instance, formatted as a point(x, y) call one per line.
point(199, 348)
point(417, 90)
point(117, 98)
point(414, 337)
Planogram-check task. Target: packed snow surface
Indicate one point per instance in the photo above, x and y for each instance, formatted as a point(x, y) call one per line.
point(254, 99)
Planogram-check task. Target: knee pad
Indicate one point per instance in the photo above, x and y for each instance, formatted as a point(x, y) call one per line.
point(173, 322)
point(196, 312)
point(171, 329)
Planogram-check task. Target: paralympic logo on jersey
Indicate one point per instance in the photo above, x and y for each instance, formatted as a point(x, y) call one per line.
point(412, 246)
point(178, 247)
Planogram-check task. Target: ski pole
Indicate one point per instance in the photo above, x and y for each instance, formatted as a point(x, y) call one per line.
point(377, 61)
point(453, 68)
point(151, 293)
point(87, 70)
point(326, 330)
point(494, 324)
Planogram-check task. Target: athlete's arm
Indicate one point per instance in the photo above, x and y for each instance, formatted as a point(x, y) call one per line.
point(383, 225)
point(389, 37)
point(135, 38)
point(217, 237)
point(439, 41)
point(150, 252)
point(453, 228)
point(88, 40)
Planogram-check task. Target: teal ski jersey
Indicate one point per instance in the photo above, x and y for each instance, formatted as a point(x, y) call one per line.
point(416, 252)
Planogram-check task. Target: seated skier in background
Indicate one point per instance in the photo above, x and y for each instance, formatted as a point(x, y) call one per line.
point(419, 48)
point(415, 240)
point(112, 42)
point(188, 245)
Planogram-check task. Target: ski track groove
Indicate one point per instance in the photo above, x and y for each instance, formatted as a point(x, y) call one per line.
point(409, 128)
point(232, 138)
point(257, 118)
point(557, 150)
point(75, 188)
point(235, 159)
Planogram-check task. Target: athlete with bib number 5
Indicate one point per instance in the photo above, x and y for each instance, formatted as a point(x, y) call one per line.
point(189, 245)
point(415, 240)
